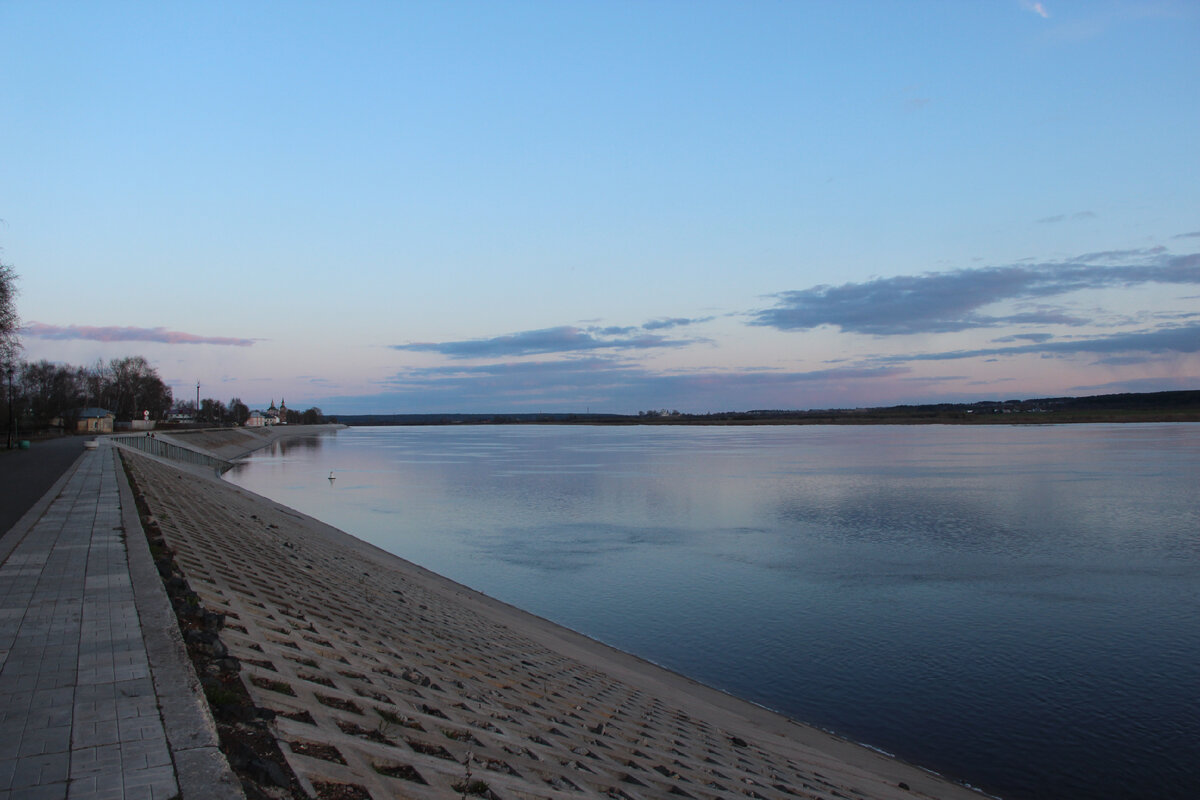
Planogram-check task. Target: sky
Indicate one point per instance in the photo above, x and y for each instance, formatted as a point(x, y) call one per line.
point(393, 207)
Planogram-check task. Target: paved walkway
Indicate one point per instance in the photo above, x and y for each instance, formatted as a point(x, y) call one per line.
point(82, 674)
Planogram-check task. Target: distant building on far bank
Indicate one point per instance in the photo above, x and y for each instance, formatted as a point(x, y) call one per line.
point(272, 416)
point(276, 416)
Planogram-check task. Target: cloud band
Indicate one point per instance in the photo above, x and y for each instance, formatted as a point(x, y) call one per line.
point(126, 334)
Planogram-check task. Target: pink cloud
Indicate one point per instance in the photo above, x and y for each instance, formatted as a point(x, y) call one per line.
point(112, 333)
point(1036, 8)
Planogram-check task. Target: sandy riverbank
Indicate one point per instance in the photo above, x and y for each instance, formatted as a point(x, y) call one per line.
point(388, 677)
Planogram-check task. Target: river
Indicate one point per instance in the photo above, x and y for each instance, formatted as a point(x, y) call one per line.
point(1016, 607)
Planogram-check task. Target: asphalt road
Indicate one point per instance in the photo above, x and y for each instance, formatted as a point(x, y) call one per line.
point(26, 475)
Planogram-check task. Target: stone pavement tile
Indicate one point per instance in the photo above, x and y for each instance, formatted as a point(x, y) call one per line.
point(65, 652)
point(94, 650)
point(145, 755)
point(137, 708)
point(21, 683)
point(48, 717)
point(104, 758)
point(38, 741)
point(156, 783)
point(15, 701)
point(140, 729)
point(98, 786)
point(96, 707)
point(52, 698)
point(41, 769)
point(55, 677)
point(103, 674)
point(95, 733)
point(101, 690)
point(50, 791)
point(131, 672)
point(128, 653)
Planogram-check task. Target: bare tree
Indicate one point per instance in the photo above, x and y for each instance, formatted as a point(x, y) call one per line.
point(10, 345)
point(212, 411)
point(10, 323)
point(130, 386)
point(239, 411)
point(52, 391)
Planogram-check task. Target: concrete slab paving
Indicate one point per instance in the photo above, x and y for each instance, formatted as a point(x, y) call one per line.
point(84, 678)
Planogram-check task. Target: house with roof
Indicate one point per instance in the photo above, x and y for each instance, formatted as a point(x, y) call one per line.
point(95, 420)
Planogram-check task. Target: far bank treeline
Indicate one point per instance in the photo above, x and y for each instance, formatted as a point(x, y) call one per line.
point(1180, 406)
point(47, 395)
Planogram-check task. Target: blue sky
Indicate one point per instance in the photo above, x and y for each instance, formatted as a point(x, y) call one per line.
point(545, 206)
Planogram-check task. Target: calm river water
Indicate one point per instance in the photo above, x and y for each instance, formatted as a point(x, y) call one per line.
point(1017, 607)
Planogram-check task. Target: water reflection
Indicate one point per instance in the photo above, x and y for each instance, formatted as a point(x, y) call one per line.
point(299, 445)
point(1015, 606)
point(569, 547)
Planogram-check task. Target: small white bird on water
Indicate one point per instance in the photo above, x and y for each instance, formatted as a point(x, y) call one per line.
point(331, 478)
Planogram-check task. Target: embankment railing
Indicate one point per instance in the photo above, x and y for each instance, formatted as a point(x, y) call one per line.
point(163, 449)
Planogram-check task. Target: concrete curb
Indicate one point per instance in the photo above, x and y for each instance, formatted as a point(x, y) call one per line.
point(201, 769)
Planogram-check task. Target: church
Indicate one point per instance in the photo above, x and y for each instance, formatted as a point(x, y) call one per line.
point(272, 416)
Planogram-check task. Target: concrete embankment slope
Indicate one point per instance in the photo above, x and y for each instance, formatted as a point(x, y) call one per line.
point(230, 444)
point(387, 680)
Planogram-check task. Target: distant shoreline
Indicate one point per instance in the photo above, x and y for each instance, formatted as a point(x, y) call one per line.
point(1180, 406)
